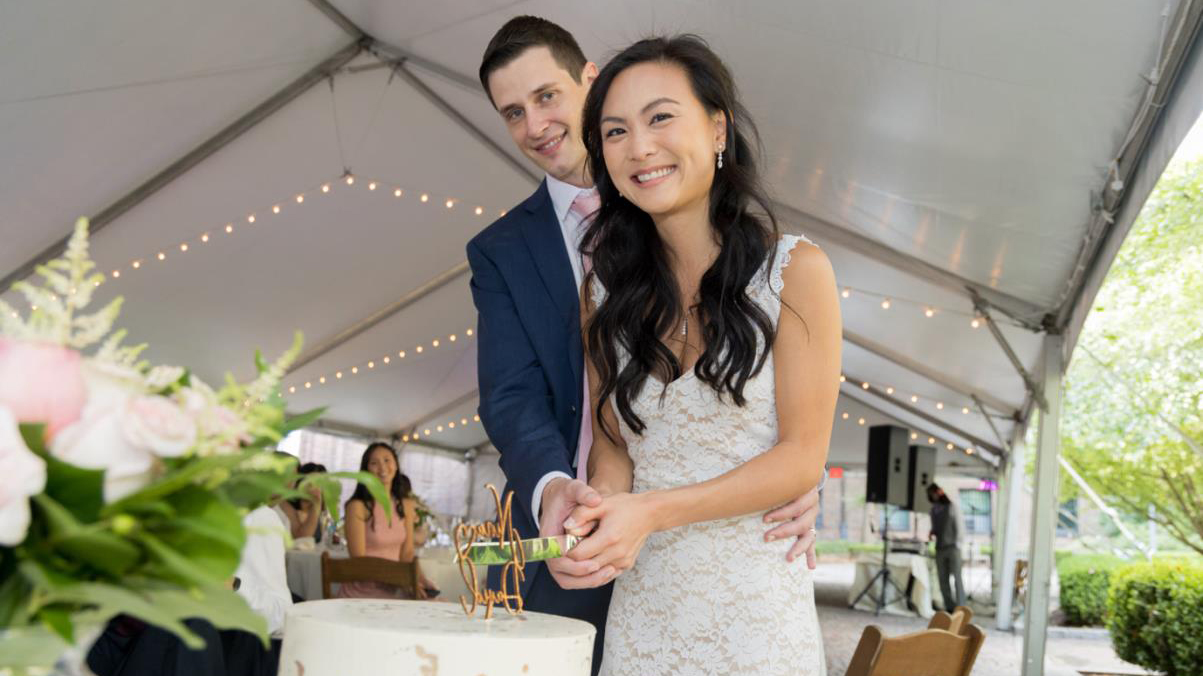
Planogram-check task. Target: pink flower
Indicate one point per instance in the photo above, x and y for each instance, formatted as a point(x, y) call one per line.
point(97, 440)
point(24, 475)
point(158, 425)
point(41, 383)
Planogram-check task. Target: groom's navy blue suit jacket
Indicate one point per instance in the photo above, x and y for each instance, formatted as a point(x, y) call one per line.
point(529, 365)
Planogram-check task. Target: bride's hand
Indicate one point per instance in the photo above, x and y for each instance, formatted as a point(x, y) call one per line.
point(623, 521)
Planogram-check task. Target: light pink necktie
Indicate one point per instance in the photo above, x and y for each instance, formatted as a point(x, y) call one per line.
point(585, 205)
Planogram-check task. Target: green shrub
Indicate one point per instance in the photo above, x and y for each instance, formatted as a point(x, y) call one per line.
point(1085, 579)
point(1155, 616)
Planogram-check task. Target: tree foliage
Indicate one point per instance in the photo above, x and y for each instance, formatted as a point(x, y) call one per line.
point(1133, 420)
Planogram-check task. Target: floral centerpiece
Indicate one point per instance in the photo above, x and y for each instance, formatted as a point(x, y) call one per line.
point(125, 484)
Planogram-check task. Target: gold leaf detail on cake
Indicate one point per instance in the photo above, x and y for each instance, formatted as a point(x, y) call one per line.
point(431, 669)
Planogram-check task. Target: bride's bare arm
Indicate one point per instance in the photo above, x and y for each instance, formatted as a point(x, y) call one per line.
point(806, 357)
point(610, 469)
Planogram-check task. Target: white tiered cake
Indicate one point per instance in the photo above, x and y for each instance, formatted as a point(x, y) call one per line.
point(341, 637)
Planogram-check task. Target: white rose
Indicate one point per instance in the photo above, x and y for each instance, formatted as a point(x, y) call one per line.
point(24, 475)
point(159, 426)
point(97, 440)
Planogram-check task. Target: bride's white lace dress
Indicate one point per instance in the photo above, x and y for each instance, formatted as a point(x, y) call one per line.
point(711, 598)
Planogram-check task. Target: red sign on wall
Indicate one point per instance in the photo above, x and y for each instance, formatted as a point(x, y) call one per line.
point(835, 472)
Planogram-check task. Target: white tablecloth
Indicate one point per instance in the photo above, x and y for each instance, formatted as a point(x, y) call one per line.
point(903, 569)
point(304, 569)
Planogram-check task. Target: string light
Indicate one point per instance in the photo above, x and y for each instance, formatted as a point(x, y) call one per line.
point(299, 198)
point(845, 415)
point(386, 359)
point(948, 445)
point(424, 198)
point(887, 301)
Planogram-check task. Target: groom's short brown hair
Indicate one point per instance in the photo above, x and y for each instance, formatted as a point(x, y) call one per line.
point(522, 33)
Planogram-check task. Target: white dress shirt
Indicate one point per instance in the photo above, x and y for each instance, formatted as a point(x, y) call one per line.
point(263, 581)
point(562, 196)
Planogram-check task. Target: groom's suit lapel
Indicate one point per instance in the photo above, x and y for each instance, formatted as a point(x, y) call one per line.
point(546, 243)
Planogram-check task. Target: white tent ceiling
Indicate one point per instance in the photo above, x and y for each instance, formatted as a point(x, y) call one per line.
point(935, 149)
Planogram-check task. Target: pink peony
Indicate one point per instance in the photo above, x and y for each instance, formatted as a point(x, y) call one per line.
point(41, 383)
point(24, 475)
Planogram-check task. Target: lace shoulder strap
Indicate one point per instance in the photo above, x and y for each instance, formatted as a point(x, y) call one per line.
point(785, 248)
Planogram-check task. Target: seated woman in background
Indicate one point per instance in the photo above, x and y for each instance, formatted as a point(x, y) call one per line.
point(304, 516)
point(383, 531)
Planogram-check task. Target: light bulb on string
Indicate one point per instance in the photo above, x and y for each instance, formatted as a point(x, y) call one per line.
point(300, 199)
point(372, 185)
point(860, 421)
point(885, 304)
point(162, 256)
point(397, 192)
point(450, 203)
point(183, 247)
point(468, 332)
point(889, 390)
point(975, 323)
point(424, 198)
point(845, 415)
point(229, 228)
point(929, 313)
point(914, 399)
point(136, 264)
point(326, 187)
point(931, 440)
point(846, 293)
point(480, 210)
point(940, 405)
point(965, 410)
point(350, 180)
point(250, 219)
point(948, 446)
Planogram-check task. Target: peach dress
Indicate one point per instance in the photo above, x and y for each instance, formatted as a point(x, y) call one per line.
point(383, 540)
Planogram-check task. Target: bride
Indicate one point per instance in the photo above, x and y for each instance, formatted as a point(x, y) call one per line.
point(714, 344)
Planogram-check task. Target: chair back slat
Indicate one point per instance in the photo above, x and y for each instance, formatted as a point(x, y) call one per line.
point(369, 569)
point(932, 652)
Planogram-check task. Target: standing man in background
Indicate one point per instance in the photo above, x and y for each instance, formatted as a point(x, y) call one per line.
point(946, 531)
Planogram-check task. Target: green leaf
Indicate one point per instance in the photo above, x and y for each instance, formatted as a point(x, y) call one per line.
point(190, 472)
point(29, 646)
point(34, 436)
point(175, 566)
point(79, 490)
point(378, 491)
point(14, 594)
point(300, 420)
point(58, 620)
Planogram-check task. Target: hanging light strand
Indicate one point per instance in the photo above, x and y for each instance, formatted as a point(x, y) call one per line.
point(277, 210)
point(355, 369)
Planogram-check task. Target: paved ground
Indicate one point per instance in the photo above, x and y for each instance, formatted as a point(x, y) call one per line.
point(1000, 655)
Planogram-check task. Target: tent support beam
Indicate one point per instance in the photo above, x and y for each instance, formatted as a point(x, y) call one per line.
point(852, 393)
point(894, 401)
point(927, 372)
point(464, 123)
point(1002, 443)
point(194, 157)
point(1184, 28)
point(433, 284)
point(1044, 510)
point(983, 308)
point(1025, 313)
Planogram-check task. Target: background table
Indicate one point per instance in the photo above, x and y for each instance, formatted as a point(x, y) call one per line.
point(903, 569)
point(304, 571)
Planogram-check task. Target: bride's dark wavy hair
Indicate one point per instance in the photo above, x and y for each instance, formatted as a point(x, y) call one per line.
point(632, 262)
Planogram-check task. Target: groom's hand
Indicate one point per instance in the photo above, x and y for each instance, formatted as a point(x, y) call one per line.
point(560, 497)
point(799, 519)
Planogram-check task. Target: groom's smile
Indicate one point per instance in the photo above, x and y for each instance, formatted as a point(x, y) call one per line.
point(540, 103)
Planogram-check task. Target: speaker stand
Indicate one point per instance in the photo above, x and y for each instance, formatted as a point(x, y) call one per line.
point(883, 573)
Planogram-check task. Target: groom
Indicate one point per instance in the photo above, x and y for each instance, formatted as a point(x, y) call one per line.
point(526, 275)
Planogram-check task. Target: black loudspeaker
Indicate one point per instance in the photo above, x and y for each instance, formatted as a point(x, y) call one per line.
point(922, 473)
point(889, 471)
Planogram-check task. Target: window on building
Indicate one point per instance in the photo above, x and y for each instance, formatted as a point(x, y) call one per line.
point(900, 519)
point(975, 510)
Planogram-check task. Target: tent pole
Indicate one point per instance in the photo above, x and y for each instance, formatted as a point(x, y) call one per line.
point(1044, 510)
point(983, 309)
point(1013, 487)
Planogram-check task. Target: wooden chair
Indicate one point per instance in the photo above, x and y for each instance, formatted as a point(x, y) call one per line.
point(931, 652)
point(369, 569)
point(955, 623)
